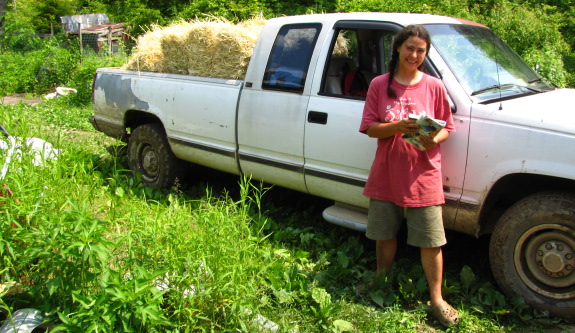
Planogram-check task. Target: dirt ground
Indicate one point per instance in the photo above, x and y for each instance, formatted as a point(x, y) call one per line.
point(17, 98)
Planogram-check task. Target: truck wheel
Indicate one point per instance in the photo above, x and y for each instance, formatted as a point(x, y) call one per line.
point(149, 154)
point(532, 252)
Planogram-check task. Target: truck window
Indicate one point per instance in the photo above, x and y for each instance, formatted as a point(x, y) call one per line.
point(357, 56)
point(290, 57)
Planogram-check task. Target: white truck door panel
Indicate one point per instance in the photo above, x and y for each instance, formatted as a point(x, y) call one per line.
point(271, 137)
point(337, 156)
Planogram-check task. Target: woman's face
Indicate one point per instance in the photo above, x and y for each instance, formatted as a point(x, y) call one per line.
point(412, 53)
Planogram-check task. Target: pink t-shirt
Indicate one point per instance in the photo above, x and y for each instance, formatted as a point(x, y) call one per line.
point(400, 172)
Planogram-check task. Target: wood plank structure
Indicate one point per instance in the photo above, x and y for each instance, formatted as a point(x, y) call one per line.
point(95, 31)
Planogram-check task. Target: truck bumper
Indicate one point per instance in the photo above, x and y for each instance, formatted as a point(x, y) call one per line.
point(113, 130)
point(94, 123)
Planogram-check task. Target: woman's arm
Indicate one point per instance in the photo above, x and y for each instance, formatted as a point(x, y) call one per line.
point(385, 130)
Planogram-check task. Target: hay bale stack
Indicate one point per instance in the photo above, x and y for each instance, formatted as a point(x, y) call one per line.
point(215, 48)
point(341, 47)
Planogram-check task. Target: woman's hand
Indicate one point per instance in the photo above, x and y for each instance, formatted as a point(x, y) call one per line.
point(407, 126)
point(430, 142)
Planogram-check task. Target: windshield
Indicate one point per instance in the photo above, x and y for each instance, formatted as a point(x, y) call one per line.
point(486, 67)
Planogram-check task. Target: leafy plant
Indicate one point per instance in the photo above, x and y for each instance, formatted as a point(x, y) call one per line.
point(324, 310)
point(129, 303)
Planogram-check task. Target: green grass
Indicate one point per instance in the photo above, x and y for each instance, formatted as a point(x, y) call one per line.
point(95, 250)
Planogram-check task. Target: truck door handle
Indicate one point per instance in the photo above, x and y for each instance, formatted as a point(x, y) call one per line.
point(317, 117)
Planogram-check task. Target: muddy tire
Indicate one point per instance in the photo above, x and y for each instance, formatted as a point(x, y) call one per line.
point(532, 252)
point(150, 155)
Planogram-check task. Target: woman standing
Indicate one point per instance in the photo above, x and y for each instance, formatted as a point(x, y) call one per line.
point(402, 177)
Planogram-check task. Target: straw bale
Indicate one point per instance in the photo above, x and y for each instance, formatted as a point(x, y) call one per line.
point(212, 48)
point(341, 47)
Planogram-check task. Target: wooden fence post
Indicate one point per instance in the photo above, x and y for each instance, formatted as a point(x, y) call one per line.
point(81, 46)
point(109, 41)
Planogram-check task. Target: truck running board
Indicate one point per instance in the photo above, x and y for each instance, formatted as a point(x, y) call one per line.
point(347, 216)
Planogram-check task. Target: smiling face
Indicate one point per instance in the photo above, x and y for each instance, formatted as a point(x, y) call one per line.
point(411, 53)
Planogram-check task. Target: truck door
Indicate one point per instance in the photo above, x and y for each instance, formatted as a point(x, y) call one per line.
point(271, 116)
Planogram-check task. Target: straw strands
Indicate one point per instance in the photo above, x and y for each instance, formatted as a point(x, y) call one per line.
point(211, 48)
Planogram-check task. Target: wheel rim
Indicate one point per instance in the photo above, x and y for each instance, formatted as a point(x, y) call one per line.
point(545, 260)
point(149, 163)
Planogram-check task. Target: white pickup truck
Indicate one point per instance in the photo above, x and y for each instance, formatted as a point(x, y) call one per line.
point(509, 170)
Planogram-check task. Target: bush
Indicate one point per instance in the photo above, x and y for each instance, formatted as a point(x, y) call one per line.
point(14, 76)
point(82, 78)
point(56, 68)
point(533, 33)
point(42, 70)
point(382, 6)
point(36, 71)
point(19, 37)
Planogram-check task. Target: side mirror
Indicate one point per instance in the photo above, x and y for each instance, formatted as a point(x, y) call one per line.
point(537, 68)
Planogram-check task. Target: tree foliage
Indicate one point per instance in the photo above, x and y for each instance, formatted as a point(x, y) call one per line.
point(534, 33)
point(540, 31)
point(2, 18)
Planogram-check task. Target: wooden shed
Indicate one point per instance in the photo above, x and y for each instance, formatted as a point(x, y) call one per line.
point(95, 31)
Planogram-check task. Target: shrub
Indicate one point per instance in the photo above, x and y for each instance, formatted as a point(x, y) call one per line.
point(56, 68)
point(382, 6)
point(41, 71)
point(36, 71)
point(15, 76)
point(82, 78)
point(533, 34)
point(19, 37)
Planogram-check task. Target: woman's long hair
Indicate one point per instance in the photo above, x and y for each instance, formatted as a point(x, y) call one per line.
point(400, 38)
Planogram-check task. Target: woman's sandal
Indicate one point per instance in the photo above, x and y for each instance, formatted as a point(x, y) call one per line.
point(445, 313)
point(363, 288)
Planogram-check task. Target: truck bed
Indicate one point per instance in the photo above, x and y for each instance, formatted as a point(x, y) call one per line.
point(195, 111)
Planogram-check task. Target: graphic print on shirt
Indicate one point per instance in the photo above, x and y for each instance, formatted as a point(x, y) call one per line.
point(402, 107)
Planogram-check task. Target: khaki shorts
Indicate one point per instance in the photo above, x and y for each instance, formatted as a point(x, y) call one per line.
point(424, 224)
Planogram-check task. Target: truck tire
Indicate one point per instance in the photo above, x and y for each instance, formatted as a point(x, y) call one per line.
point(150, 155)
point(532, 252)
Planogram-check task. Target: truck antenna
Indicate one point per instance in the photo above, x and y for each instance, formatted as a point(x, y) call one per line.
point(497, 69)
